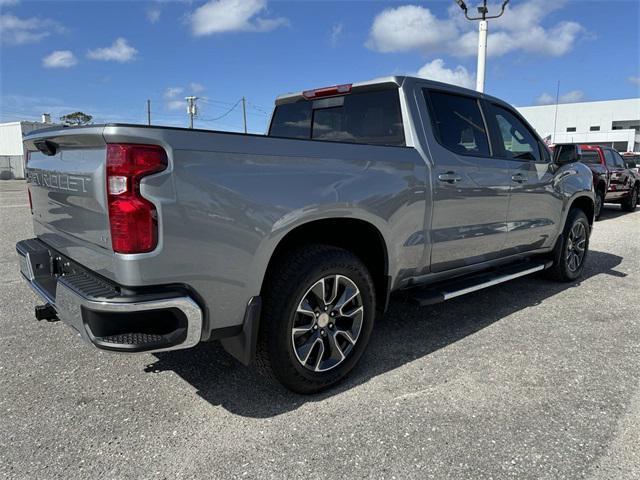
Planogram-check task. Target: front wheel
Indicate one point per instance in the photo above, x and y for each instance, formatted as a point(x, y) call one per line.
point(630, 203)
point(570, 259)
point(318, 313)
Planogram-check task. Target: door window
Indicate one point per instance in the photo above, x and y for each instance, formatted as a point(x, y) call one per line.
point(618, 159)
point(518, 141)
point(457, 123)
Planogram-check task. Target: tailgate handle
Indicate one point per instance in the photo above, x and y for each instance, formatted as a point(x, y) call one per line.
point(47, 147)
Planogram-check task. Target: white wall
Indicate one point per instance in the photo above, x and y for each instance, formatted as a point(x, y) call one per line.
point(11, 148)
point(583, 116)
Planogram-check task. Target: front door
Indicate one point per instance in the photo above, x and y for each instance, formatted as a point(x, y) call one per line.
point(470, 187)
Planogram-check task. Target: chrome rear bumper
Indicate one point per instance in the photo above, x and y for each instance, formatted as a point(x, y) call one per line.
point(102, 314)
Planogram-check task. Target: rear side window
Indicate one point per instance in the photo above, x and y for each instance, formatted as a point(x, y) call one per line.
point(372, 118)
point(458, 124)
point(590, 156)
point(608, 158)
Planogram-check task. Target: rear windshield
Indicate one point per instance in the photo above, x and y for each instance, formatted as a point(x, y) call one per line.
point(590, 156)
point(372, 118)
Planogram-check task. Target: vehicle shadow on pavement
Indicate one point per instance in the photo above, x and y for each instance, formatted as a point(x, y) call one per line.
point(407, 332)
point(611, 212)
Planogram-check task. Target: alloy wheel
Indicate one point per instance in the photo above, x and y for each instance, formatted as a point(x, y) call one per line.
point(576, 246)
point(327, 323)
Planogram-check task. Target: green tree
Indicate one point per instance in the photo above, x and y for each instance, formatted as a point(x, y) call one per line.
point(76, 118)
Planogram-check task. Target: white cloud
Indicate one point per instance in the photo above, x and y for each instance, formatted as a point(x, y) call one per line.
point(153, 14)
point(173, 92)
point(436, 70)
point(119, 51)
point(412, 27)
point(545, 99)
point(221, 16)
point(409, 27)
point(196, 87)
point(570, 97)
point(337, 30)
point(635, 80)
point(60, 59)
point(176, 105)
point(20, 31)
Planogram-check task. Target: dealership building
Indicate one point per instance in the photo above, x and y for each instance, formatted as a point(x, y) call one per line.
point(12, 156)
point(615, 123)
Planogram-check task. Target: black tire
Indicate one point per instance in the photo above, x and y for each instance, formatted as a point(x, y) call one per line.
point(563, 269)
point(599, 204)
point(630, 203)
point(288, 286)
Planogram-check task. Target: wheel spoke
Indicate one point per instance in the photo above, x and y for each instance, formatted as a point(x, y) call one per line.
point(305, 308)
point(318, 291)
point(335, 352)
point(304, 351)
point(349, 294)
point(334, 290)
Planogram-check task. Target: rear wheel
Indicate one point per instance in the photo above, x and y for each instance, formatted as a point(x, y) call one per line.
point(570, 259)
point(630, 203)
point(599, 204)
point(318, 313)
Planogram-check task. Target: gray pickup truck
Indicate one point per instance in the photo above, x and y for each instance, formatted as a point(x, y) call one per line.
point(286, 246)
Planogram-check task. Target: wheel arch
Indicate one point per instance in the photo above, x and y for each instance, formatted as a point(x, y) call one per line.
point(584, 203)
point(360, 237)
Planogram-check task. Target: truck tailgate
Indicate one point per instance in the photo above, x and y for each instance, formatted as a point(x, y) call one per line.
point(66, 171)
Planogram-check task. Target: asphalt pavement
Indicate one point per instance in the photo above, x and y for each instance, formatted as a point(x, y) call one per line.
point(529, 379)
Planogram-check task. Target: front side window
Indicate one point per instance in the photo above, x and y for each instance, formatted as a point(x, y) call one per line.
point(373, 118)
point(458, 124)
point(518, 141)
point(618, 159)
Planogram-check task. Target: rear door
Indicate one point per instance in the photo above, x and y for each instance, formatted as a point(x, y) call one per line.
point(535, 208)
point(66, 175)
point(470, 187)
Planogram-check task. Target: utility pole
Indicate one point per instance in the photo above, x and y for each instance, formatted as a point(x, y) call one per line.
point(482, 36)
point(148, 112)
point(244, 113)
point(192, 109)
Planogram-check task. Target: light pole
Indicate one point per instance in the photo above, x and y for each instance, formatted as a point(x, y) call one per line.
point(482, 36)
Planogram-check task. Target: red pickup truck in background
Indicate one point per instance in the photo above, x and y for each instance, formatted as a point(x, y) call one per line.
point(614, 179)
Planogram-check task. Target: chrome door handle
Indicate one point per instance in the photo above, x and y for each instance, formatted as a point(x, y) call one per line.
point(519, 178)
point(449, 177)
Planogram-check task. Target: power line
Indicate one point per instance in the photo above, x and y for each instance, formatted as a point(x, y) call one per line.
point(224, 114)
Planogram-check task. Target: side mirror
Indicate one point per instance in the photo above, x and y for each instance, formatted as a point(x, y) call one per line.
point(631, 164)
point(566, 153)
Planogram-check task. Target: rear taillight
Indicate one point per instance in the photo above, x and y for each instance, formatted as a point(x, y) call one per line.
point(132, 218)
point(27, 156)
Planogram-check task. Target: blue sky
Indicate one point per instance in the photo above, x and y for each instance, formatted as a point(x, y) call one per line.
point(107, 58)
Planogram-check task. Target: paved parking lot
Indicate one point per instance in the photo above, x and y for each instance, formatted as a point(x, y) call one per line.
point(530, 379)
